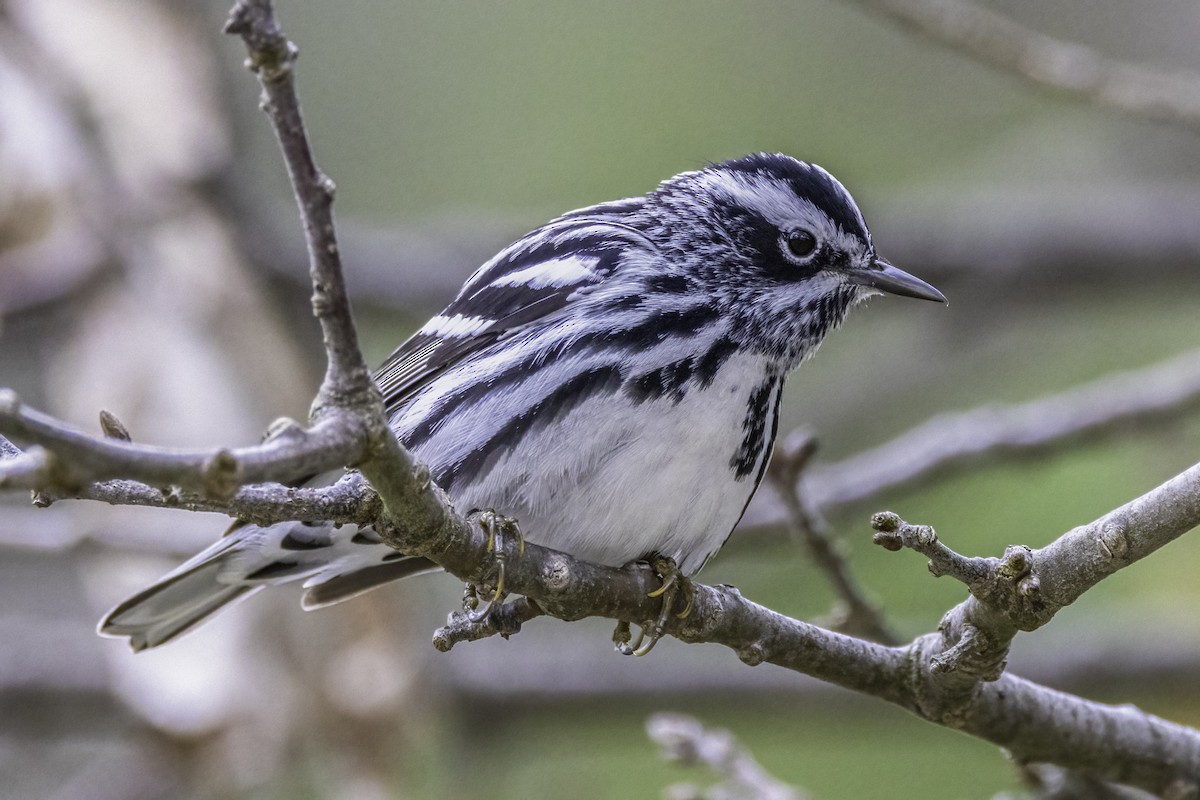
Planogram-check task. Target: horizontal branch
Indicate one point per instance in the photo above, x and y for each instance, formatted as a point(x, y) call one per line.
point(1033, 722)
point(571, 589)
point(1156, 653)
point(350, 501)
point(1121, 743)
point(79, 459)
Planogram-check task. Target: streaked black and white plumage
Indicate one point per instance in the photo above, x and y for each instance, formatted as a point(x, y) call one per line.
point(611, 380)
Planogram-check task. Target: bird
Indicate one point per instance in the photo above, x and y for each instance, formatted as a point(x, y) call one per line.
point(611, 381)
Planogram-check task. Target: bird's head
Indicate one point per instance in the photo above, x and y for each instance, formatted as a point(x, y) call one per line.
point(781, 244)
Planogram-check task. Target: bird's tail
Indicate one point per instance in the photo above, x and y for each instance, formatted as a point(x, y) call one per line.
point(334, 564)
point(179, 601)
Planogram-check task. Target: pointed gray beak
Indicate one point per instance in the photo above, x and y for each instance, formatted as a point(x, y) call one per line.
point(886, 278)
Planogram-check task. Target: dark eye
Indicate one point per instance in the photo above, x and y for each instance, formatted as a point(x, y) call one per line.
point(800, 244)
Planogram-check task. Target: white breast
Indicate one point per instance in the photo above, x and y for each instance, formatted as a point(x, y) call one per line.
point(613, 480)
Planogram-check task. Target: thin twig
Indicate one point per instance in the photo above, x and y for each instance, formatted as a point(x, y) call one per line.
point(273, 59)
point(351, 501)
point(502, 620)
point(893, 533)
point(856, 615)
point(401, 482)
point(684, 740)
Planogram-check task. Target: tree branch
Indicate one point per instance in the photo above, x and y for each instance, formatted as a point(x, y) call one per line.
point(1026, 588)
point(350, 501)
point(273, 58)
point(1035, 723)
point(79, 459)
point(413, 515)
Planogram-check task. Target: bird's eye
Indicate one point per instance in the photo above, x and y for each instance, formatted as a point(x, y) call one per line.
point(800, 245)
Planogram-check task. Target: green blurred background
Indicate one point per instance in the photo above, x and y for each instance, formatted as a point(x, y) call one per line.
point(451, 128)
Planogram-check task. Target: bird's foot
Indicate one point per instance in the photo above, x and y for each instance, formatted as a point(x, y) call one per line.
point(674, 585)
point(498, 527)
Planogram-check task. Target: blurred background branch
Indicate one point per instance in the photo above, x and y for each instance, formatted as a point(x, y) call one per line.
point(1111, 406)
point(1155, 93)
point(684, 740)
point(853, 613)
point(1090, 231)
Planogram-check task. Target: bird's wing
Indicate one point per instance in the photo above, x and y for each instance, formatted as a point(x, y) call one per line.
point(536, 276)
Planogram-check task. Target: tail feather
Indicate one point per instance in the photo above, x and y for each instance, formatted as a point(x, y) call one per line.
point(334, 564)
point(352, 584)
point(172, 606)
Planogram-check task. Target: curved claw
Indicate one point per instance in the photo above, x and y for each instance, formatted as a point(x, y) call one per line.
point(501, 561)
point(495, 525)
point(621, 638)
point(667, 584)
point(673, 582)
point(497, 599)
point(478, 615)
point(654, 639)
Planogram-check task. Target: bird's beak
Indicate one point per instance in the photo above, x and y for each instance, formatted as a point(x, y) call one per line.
point(886, 278)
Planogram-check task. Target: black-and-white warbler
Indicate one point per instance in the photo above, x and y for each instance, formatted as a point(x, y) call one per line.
point(611, 380)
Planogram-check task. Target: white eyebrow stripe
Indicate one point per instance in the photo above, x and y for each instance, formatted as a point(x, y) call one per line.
point(554, 272)
point(777, 204)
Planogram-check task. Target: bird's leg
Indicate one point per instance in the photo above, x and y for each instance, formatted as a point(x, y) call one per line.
point(497, 527)
point(673, 583)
